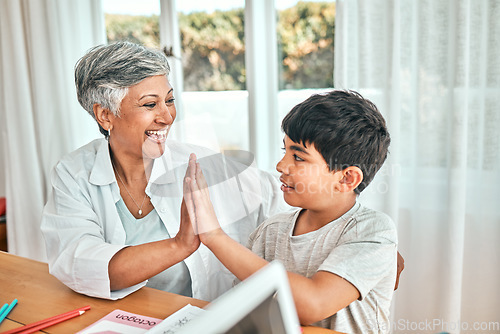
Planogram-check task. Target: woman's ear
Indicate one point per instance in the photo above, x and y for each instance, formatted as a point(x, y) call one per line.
point(103, 116)
point(352, 176)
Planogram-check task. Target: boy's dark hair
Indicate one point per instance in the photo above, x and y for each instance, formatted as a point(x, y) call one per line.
point(345, 128)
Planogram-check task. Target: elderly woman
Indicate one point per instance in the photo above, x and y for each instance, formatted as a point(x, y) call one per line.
point(115, 220)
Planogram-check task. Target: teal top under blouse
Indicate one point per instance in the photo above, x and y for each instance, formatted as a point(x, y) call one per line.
point(175, 279)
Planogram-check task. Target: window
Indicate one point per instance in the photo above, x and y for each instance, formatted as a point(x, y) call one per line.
point(305, 44)
point(234, 78)
point(214, 81)
point(305, 33)
point(213, 45)
point(132, 21)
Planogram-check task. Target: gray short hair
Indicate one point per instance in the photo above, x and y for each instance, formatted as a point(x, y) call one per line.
point(104, 74)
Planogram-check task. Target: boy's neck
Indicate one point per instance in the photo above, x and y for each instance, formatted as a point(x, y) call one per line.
point(312, 220)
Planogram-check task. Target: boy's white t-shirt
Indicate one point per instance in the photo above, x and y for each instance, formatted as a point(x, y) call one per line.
point(360, 246)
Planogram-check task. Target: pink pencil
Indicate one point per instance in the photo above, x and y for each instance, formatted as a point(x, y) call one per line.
point(36, 326)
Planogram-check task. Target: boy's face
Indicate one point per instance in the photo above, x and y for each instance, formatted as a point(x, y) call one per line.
point(307, 181)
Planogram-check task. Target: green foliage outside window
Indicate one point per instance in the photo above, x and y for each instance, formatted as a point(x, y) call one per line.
point(138, 29)
point(213, 50)
point(305, 40)
point(213, 45)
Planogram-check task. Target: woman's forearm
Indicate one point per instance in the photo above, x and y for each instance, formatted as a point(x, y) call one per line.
point(134, 264)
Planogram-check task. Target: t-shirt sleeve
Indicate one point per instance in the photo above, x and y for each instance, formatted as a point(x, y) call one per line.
point(255, 243)
point(366, 253)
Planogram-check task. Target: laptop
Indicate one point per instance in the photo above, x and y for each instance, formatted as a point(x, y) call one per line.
point(263, 304)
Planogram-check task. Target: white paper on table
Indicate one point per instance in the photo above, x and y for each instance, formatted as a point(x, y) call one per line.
point(176, 321)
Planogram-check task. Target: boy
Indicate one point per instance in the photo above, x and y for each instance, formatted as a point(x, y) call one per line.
point(340, 256)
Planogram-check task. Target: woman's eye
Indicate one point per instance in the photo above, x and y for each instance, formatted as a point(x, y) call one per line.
point(170, 101)
point(150, 105)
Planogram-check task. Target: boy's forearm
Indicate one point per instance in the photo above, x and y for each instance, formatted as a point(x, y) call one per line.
point(306, 299)
point(313, 297)
point(320, 296)
point(241, 261)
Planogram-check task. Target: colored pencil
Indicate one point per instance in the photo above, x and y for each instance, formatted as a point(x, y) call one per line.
point(36, 326)
point(7, 310)
point(4, 307)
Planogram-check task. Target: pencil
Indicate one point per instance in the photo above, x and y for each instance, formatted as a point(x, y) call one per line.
point(7, 310)
point(4, 307)
point(31, 328)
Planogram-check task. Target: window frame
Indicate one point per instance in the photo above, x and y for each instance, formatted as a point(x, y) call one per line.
point(261, 68)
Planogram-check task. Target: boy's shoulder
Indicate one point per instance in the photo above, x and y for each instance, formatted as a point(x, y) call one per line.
point(281, 218)
point(365, 213)
point(369, 222)
point(362, 223)
point(277, 223)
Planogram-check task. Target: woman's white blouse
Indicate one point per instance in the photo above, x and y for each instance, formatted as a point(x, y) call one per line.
point(82, 228)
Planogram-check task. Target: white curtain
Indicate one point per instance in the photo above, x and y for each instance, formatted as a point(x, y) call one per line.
point(41, 120)
point(433, 69)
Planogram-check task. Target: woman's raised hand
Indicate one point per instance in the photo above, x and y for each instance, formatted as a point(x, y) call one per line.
point(187, 238)
point(198, 204)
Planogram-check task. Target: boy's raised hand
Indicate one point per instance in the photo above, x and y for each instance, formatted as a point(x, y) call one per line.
point(199, 206)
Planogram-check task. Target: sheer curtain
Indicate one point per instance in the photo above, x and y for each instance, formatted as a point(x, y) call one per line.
point(433, 69)
point(40, 118)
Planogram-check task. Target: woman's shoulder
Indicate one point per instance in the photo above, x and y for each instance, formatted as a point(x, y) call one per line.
point(89, 149)
point(83, 157)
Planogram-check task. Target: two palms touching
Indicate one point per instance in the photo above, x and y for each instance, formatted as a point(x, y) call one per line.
point(198, 219)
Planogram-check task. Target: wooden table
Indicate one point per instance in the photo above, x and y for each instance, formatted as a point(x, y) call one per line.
point(41, 295)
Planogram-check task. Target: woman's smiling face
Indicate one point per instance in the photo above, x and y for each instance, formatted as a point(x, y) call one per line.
point(146, 114)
